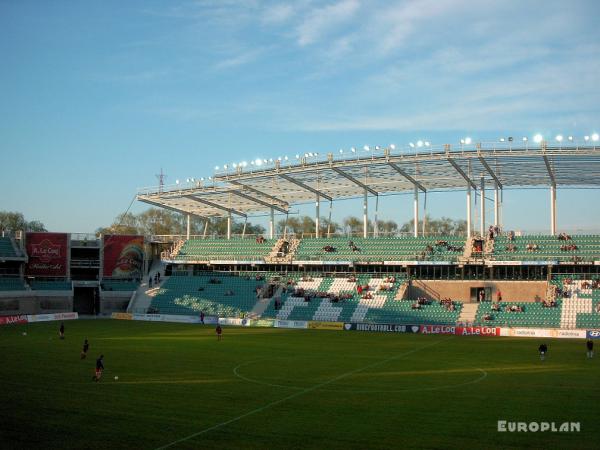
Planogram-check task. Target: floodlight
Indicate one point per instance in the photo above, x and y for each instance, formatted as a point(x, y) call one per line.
point(393, 146)
point(342, 151)
point(586, 138)
point(595, 137)
point(467, 140)
point(176, 181)
point(538, 138)
point(225, 167)
point(570, 138)
point(244, 163)
point(427, 143)
point(297, 156)
point(501, 139)
point(366, 148)
point(216, 167)
point(285, 158)
point(525, 139)
point(187, 180)
point(462, 141)
point(353, 149)
point(271, 160)
point(377, 148)
point(559, 138)
point(419, 143)
point(412, 145)
point(258, 162)
point(201, 178)
point(265, 161)
point(234, 165)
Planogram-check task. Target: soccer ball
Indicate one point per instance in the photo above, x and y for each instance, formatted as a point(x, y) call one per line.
point(116, 377)
point(24, 333)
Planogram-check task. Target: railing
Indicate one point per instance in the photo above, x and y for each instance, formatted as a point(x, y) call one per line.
point(85, 263)
point(429, 291)
point(89, 237)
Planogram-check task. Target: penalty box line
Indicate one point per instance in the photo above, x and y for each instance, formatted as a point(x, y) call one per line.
point(298, 394)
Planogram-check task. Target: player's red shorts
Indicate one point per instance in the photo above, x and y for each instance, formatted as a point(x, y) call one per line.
point(98, 373)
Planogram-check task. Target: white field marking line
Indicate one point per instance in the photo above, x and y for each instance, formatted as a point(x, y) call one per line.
point(481, 377)
point(297, 394)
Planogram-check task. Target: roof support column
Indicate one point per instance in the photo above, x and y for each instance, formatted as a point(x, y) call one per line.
point(416, 211)
point(469, 211)
point(482, 205)
point(375, 224)
point(317, 212)
point(365, 216)
point(272, 224)
point(496, 206)
point(553, 210)
point(188, 227)
point(229, 225)
point(205, 229)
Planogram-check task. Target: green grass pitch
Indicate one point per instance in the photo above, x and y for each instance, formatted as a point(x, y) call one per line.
point(265, 388)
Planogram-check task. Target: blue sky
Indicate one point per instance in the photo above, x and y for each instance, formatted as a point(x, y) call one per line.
point(96, 97)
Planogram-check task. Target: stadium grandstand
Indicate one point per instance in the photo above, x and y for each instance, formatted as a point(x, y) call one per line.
point(487, 277)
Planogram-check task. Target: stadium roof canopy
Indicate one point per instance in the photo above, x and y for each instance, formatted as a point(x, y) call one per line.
point(257, 188)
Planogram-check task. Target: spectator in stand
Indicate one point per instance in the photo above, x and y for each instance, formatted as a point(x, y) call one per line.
point(481, 295)
point(499, 296)
point(511, 236)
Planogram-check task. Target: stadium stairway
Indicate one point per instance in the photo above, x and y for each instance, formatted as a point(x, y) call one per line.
point(579, 302)
point(144, 294)
point(264, 303)
point(468, 313)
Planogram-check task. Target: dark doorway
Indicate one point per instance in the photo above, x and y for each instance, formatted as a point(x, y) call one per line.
point(476, 294)
point(86, 300)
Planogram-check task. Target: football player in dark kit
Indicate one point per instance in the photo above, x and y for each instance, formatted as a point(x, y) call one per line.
point(86, 347)
point(99, 368)
point(543, 349)
point(590, 348)
point(61, 331)
point(219, 331)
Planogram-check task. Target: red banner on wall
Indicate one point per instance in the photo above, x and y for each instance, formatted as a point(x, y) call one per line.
point(461, 331)
point(437, 329)
point(123, 256)
point(7, 320)
point(47, 254)
point(478, 331)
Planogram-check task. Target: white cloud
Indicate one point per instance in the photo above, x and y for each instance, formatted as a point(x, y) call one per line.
point(239, 59)
point(277, 14)
point(321, 21)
